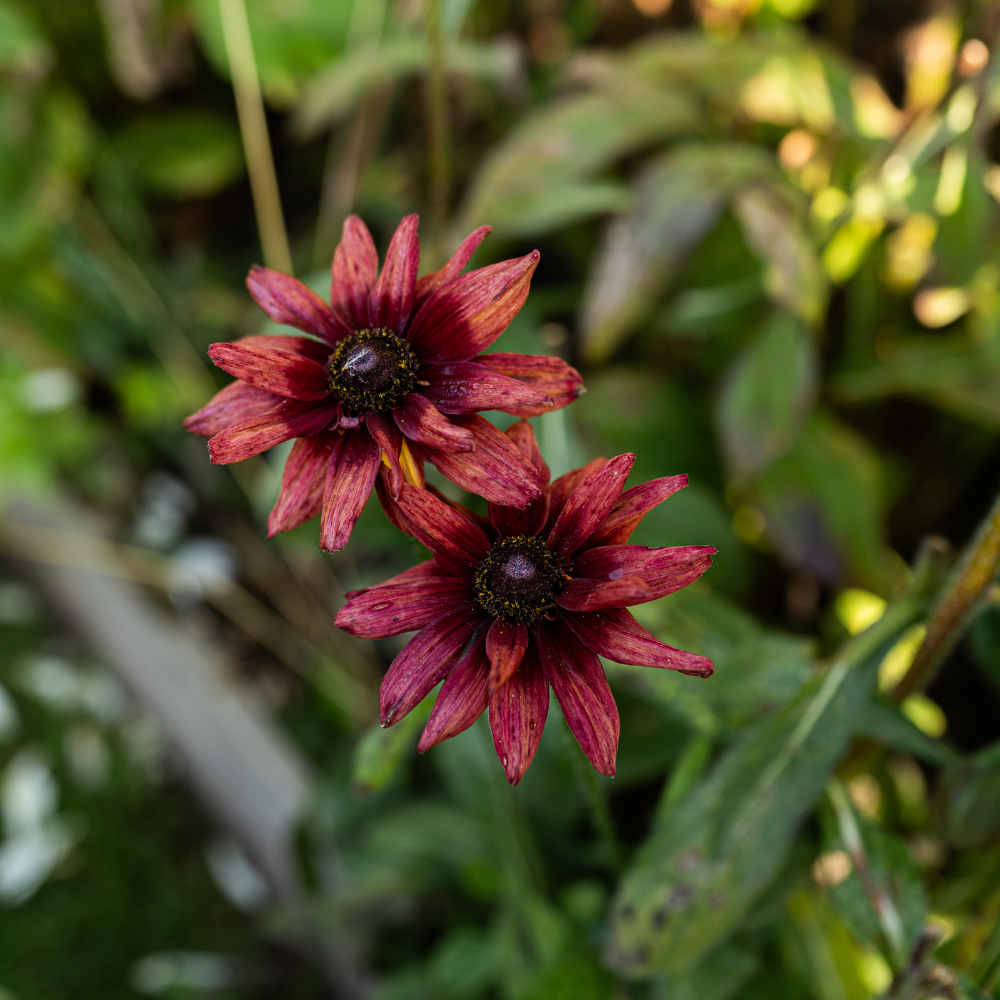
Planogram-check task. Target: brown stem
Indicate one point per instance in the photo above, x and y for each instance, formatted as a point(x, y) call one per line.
point(437, 124)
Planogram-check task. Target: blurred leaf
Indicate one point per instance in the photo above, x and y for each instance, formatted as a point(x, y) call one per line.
point(984, 642)
point(824, 505)
point(766, 395)
point(720, 976)
point(883, 722)
point(380, 752)
point(23, 49)
point(185, 154)
point(708, 860)
point(970, 798)
point(678, 197)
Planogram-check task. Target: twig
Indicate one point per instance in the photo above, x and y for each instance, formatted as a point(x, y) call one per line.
point(437, 125)
point(256, 141)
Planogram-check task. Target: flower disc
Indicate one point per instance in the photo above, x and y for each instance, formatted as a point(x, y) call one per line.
point(518, 580)
point(372, 370)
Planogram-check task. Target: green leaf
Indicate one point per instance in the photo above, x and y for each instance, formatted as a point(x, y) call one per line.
point(678, 198)
point(720, 976)
point(883, 722)
point(766, 395)
point(23, 48)
point(710, 858)
point(380, 752)
point(970, 794)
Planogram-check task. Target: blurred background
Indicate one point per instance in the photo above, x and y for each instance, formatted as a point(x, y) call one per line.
point(769, 241)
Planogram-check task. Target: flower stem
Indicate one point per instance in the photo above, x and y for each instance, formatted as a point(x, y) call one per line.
point(437, 124)
point(599, 813)
point(256, 141)
point(964, 591)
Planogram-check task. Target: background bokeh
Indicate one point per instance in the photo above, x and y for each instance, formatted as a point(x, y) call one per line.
point(769, 241)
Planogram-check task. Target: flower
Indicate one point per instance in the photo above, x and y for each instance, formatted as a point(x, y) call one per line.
point(527, 599)
point(392, 373)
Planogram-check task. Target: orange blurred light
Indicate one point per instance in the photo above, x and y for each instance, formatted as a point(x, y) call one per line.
point(796, 149)
point(652, 8)
point(973, 57)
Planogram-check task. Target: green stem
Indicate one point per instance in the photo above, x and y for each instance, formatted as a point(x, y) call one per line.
point(437, 124)
point(256, 141)
point(599, 813)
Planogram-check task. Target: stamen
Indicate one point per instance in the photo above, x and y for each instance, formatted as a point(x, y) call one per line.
point(518, 580)
point(372, 370)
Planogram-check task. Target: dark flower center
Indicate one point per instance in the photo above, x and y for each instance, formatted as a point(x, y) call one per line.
point(372, 370)
point(518, 580)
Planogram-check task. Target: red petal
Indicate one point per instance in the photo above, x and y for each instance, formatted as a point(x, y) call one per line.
point(595, 595)
point(465, 387)
point(448, 533)
point(548, 375)
point(392, 608)
point(289, 419)
point(495, 469)
point(632, 507)
point(523, 435)
point(428, 569)
point(232, 405)
point(391, 301)
point(302, 482)
point(589, 505)
point(349, 481)
point(282, 372)
point(315, 350)
point(563, 487)
point(517, 716)
point(578, 679)
point(425, 659)
point(287, 301)
point(618, 636)
point(505, 647)
point(461, 700)
point(463, 317)
point(384, 431)
point(663, 570)
point(355, 265)
point(531, 520)
point(420, 420)
point(430, 283)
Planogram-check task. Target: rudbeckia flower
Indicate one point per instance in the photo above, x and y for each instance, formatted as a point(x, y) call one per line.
point(392, 373)
point(526, 600)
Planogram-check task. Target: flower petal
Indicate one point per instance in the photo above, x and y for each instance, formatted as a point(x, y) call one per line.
point(517, 715)
point(302, 482)
point(392, 608)
point(355, 266)
point(315, 350)
point(618, 636)
point(578, 679)
point(282, 372)
point(465, 315)
point(462, 699)
point(663, 570)
point(430, 283)
point(232, 405)
point(428, 569)
point(465, 387)
point(448, 533)
point(289, 419)
point(391, 300)
point(495, 469)
point(425, 659)
point(596, 595)
point(523, 435)
point(589, 504)
point(385, 432)
point(505, 647)
point(563, 487)
point(631, 507)
point(349, 481)
point(548, 375)
point(420, 420)
point(291, 303)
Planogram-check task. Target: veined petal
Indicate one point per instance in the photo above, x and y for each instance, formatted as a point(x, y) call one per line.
point(232, 405)
point(466, 387)
point(302, 482)
point(618, 636)
point(562, 489)
point(393, 608)
point(465, 315)
point(505, 648)
point(531, 520)
point(291, 303)
point(596, 595)
point(391, 300)
point(430, 283)
point(548, 375)
point(517, 715)
point(462, 699)
point(448, 533)
point(315, 350)
point(589, 505)
point(428, 569)
point(424, 661)
point(385, 432)
point(495, 469)
point(523, 435)
point(355, 266)
point(578, 679)
point(349, 480)
point(290, 418)
point(663, 570)
point(284, 373)
point(420, 420)
point(631, 507)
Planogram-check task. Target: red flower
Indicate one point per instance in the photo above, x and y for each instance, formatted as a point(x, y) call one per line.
point(524, 600)
point(395, 376)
